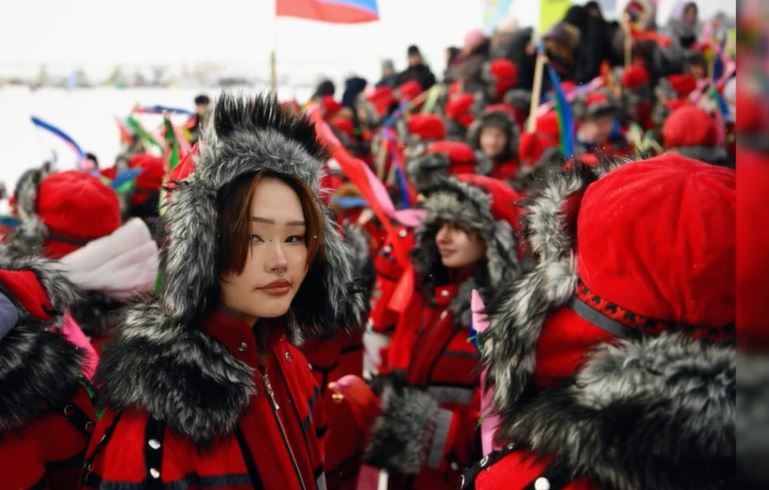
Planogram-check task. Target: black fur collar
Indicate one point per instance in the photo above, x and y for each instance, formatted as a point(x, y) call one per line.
point(655, 413)
point(176, 373)
point(39, 370)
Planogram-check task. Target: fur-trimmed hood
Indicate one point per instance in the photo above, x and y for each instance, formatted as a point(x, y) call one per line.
point(498, 119)
point(209, 388)
point(39, 368)
point(245, 135)
point(640, 412)
point(469, 206)
point(653, 413)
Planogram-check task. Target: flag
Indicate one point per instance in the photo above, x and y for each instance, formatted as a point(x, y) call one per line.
point(551, 12)
point(565, 115)
point(494, 12)
point(67, 139)
point(336, 11)
point(135, 126)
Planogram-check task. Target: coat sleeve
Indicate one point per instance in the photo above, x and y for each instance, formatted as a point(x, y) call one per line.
point(415, 431)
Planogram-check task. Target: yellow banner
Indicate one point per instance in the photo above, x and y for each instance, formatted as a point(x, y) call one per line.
point(551, 12)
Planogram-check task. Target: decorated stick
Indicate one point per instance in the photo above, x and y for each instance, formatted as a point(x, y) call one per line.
point(536, 90)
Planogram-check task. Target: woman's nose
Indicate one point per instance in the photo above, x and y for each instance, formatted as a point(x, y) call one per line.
point(277, 256)
point(444, 234)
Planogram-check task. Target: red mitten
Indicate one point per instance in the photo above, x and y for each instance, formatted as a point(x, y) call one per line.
point(25, 288)
point(365, 405)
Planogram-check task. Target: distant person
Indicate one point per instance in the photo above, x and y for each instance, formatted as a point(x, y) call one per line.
point(389, 75)
point(684, 25)
point(195, 123)
point(417, 70)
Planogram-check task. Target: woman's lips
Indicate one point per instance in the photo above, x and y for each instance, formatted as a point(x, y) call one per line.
point(445, 252)
point(276, 288)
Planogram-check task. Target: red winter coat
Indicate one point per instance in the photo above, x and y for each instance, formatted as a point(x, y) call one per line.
point(46, 415)
point(506, 171)
point(278, 424)
point(330, 360)
point(42, 446)
point(441, 399)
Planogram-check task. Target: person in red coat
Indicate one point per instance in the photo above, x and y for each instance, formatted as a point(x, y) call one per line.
point(204, 387)
point(423, 429)
point(46, 414)
point(494, 137)
point(612, 361)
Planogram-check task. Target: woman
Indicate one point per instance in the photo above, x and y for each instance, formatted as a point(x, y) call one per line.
point(494, 137)
point(612, 360)
point(424, 428)
point(203, 386)
point(46, 414)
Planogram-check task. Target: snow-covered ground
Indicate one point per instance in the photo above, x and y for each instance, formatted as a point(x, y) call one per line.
point(87, 115)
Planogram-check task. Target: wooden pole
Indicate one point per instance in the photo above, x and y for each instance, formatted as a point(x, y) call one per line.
point(536, 92)
point(274, 73)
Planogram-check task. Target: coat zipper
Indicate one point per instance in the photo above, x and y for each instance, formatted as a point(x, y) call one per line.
point(275, 408)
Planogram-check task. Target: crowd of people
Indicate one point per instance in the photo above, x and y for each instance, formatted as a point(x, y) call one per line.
point(516, 274)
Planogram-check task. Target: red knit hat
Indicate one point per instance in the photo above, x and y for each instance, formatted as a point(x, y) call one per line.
point(149, 180)
point(426, 127)
point(503, 198)
point(459, 108)
point(684, 204)
point(503, 74)
point(76, 207)
point(689, 126)
point(330, 106)
point(636, 76)
point(638, 250)
point(409, 90)
point(532, 146)
point(683, 85)
point(461, 156)
point(381, 98)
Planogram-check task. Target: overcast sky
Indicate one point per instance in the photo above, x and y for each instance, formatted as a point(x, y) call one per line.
point(97, 34)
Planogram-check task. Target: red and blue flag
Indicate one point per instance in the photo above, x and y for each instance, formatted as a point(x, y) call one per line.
point(338, 11)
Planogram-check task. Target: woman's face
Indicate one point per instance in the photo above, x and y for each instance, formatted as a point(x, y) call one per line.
point(277, 259)
point(492, 141)
point(457, 247)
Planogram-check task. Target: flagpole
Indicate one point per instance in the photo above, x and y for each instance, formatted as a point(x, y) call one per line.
point(274, 54)
point(536, 91)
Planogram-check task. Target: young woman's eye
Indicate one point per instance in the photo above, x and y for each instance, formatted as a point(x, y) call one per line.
point(255, 239)
point(295, 239)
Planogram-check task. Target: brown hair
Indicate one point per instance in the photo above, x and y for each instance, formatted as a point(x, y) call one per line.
point(234, 221)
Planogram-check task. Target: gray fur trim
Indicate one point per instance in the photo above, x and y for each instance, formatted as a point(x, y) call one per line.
point(401, 436)
point(498, 119)
point(39, 370)
point(716, 155)
point(469, 207)
point(245, 135)
point(28, 238)
point(752, 420)
point(428, 171)
point(176, 373)
point(654, 413)
point(61, 292)
point(521, 307)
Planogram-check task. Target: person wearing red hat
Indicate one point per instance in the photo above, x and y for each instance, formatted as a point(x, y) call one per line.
point(204, 384)
point(692, 132)
point(461, 109)
point(672, 92)
point(500, 76)
point(536, 147)
point(63, 212)
point(74, 218)
point(444, 159)
point(611, 362)
point(494, 138)
point(422, 130)
point(46, 413)
point(637, 95)
point(597, 126)
point(422, 425)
